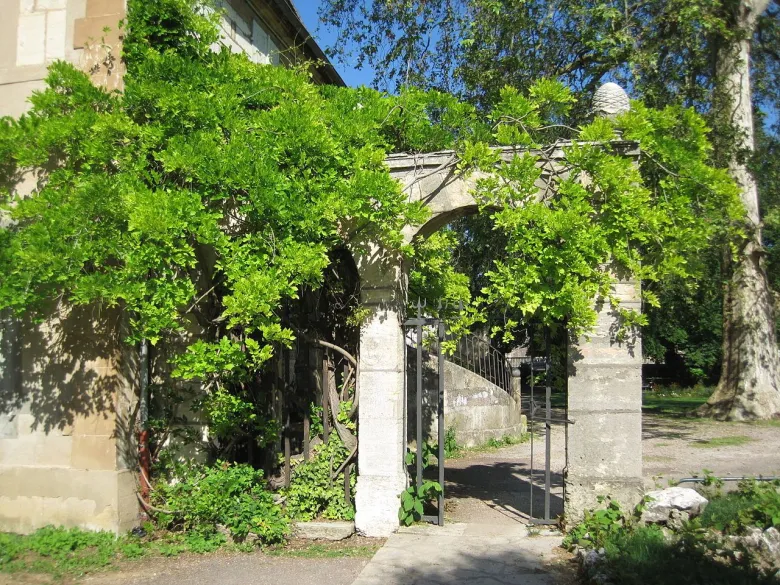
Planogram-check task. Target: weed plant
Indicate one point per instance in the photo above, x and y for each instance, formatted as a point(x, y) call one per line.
point(639, 554)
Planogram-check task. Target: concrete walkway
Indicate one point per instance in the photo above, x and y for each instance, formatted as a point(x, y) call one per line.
point(474, 554)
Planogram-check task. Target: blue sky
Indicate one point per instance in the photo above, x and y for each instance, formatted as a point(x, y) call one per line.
point(325, 37)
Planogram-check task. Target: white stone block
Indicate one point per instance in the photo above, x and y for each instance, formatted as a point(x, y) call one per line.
point(55, 34)
point(51, 4)
point(26, 6)
point(31, 39)
point(376, 504)
point(260, 38)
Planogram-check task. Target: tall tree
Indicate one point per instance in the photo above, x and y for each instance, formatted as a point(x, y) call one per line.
point(749, 386)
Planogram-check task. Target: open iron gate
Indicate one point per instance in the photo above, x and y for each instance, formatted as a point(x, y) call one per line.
point(421, 332)
point(424, 336)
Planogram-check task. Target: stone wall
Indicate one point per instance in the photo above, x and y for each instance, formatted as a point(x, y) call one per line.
point(476, 408)
point(66, 412)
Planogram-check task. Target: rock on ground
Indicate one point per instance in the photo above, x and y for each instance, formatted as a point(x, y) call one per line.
point(663, 502)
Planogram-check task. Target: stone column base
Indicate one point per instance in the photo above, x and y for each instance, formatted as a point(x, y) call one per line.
point(377, 504)
point(582, 494)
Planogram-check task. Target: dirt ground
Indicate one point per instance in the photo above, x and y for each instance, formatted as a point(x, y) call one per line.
point(492, 486)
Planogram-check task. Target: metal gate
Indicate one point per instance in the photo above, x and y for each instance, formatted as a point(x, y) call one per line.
point(423, 338)
point(541, 414)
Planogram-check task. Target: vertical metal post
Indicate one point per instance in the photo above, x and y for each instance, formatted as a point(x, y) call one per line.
point(325, 397)
point(419, 398)
point(547, 426)
point(531, 424)
point(347, 486)
point(306, 436)
point(442, 333)
point(287, 453)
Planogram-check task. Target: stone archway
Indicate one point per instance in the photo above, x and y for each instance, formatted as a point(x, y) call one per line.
point(605, 386)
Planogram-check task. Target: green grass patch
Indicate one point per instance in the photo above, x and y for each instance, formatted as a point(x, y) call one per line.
point(644, 557)
point(715, 442)
point(491, 445)
point(774, 422)
point(326, 551)
point(61, 552)
point(675, 402)
point(638, 554)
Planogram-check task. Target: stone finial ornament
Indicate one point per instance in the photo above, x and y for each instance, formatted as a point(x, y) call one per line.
point(610, 100)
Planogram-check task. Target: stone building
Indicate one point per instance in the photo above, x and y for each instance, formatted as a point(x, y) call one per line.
point(67, 388)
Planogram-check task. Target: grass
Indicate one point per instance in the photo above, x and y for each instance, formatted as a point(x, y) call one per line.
point(675, 402)
point(329, 550)
point(490, 445)
point(638, 554)
point(645, 557)
point(715, 442)
point(66, 554)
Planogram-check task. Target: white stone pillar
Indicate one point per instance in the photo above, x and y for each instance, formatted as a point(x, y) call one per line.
point(381, 473)
point(605, 403)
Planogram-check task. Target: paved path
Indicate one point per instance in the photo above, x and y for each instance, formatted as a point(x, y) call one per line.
point(235, 569)
point(474, 554)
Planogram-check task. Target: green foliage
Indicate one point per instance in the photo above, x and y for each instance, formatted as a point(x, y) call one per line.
point(190, 211)
point(413, 500)
point(564, 248)
point(314, 489)
point(430, 452)
point(232, 495)
point(753, 504)
point(213, 191)
point(506, 441)
point(451, 447)
point(63, 552)
point(59, 551)
point(600, 526)
point(636, 554)
point(667, 53)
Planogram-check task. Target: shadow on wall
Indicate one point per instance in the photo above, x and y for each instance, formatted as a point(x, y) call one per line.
point(474, 407)
point(70, 366)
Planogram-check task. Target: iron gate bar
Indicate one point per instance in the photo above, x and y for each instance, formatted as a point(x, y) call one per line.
point(418, 324)
point(442, 333)
point(419, 400)
point(547, 425)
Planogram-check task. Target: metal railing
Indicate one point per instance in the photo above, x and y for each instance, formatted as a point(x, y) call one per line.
point(478, 356)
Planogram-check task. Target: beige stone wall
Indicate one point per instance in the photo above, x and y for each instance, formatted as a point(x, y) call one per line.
point(66, 433)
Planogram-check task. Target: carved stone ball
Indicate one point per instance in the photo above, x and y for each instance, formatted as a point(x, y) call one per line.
point(610, 100)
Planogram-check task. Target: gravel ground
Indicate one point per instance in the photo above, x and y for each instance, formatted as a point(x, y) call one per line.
point(492, 486)
point(678, 448)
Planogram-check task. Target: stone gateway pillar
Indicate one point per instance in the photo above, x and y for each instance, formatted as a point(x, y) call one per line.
point(381, 408)
point(605, 403)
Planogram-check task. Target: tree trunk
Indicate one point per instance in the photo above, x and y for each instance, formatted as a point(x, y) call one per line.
point(749, 386)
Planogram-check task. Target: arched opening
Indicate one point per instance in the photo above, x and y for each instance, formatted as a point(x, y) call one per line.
point(603, 374)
